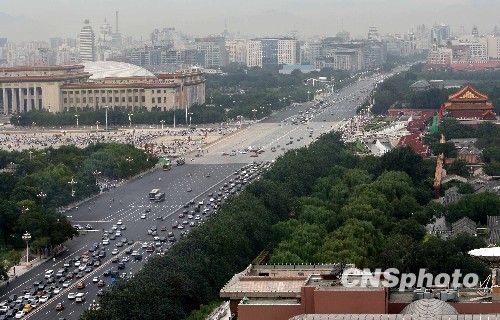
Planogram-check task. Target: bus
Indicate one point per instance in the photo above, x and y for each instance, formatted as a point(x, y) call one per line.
point(153, 193)
point(160, 197)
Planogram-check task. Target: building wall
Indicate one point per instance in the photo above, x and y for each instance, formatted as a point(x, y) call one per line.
point(268, 312)
point(350, 302)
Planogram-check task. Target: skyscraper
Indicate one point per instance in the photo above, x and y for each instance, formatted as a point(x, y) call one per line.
point(86, 42)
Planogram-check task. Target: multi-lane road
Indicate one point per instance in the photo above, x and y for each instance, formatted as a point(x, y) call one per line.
point(207, 173)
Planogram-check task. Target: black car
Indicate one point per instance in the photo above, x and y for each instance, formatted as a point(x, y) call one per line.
point(121, 265)
point(138, 257)
point(128, 251)
point(147, 210)
point(106, 273)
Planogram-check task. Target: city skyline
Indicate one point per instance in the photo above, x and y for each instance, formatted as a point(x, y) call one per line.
point(33, 20)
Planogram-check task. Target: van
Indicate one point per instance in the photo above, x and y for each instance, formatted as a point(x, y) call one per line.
point(80, 297)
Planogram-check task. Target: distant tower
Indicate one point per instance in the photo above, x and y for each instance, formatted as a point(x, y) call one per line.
point(225, 34)
point(86, 43)
point(116, 29)
point(475, 32)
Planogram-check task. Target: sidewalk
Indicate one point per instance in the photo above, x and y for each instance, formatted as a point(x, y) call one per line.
point(21, 269)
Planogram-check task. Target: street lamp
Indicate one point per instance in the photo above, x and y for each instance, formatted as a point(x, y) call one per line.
point(129, 160)
point(30, 153)
point(97, 126)
point(190, 114)
point(254, 114)
point(308, 94)
point(72, 183)
point(162, 123)
point(106, 107)
point(130, 119)
point(18, 117)
point(96, 174)
point(76, 116)
point(27, 237)
point(42, 196)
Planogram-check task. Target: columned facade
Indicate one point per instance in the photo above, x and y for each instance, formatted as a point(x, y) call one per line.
point(61, 88)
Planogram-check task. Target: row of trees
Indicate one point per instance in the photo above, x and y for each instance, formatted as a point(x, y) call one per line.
point(35, 182)
point(192, 272)
point(374, 214)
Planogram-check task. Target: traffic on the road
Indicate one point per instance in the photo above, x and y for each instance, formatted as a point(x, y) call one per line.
point(123, 228)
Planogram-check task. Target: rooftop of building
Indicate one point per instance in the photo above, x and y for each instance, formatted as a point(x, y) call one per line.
point(114, 69)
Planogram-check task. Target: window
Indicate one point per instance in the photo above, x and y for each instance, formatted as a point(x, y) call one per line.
point(91, 99)
point(65, 100)
point(110, 99)
point(158, 91)
point(152, 100)
point(77, 100)
point(117, 99)
point(129, 99)
point(103, 99)
point(143, 99)
point(70, 100)
point(84, 100)
point(123, 99)
point(136, 99)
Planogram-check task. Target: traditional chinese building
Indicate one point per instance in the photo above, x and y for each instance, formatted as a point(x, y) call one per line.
point(468, 103)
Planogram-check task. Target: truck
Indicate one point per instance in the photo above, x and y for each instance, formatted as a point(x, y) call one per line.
point(165, 164)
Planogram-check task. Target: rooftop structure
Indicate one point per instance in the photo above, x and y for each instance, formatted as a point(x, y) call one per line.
point(112, 69)
point(468, 103)
point(311, 292)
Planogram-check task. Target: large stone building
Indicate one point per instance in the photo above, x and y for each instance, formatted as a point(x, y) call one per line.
point(95, 85)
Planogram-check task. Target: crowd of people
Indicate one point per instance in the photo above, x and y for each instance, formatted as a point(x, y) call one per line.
point(165, 142)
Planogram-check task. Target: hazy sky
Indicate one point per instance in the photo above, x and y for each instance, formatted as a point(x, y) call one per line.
point(22, 20)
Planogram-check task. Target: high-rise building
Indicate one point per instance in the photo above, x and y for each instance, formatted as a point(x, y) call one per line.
point(237, 50)
point(440, 34)
point(86, 42)
point(475, 32)
point(373, 34)
point(272, 52)
point(212, 51)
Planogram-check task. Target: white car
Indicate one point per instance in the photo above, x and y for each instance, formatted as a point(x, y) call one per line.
point(66, 284)
point(77, 263)
point(119, 222)
point(125, 259)
point(143, 216)
point(43, 299)
point(71, 295)
point(115, 252)
point(56, 290)
point(49, 273)
point(114, 227)
point(118, 233)
point(105, 241)
point(19, 315)
point(95, 279)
